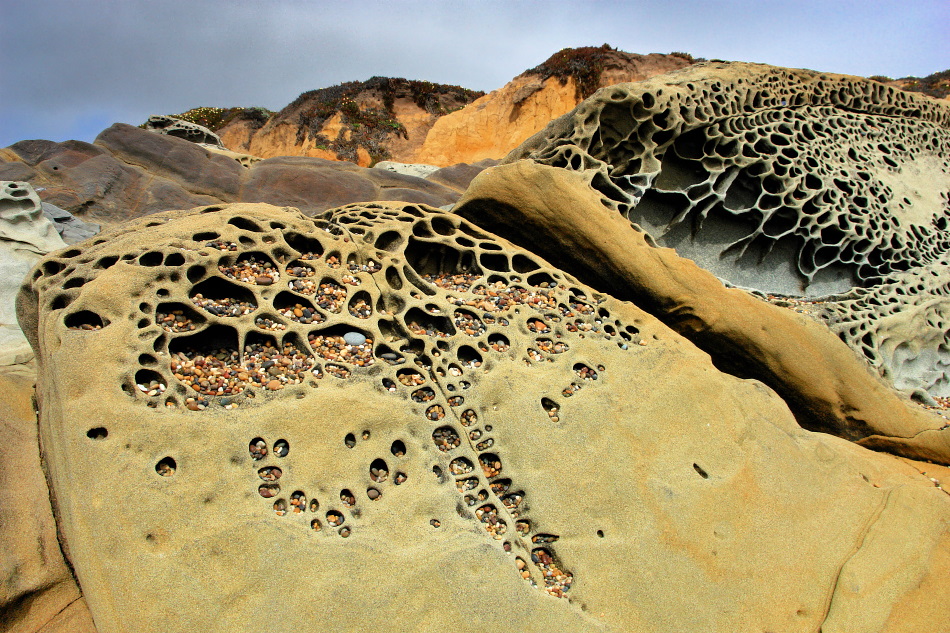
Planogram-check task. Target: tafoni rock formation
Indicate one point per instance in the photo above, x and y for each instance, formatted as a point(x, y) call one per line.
point(628, 383)
point(390, 419)
point(790, 182)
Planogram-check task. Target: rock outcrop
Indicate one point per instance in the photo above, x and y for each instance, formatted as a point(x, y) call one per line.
point(388, 418)
point(791, 182)
point(129, 172)
point(497, 123)
point(362, 122)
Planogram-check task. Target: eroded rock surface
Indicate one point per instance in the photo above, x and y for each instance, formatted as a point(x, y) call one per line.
point(25, 236)
point(389, 419)
point(791, 182)
point(187, 130)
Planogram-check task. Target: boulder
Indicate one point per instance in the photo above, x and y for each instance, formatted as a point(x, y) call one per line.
point(387, 418)
point(459, 176)
point(182, 129)
point(793, 182)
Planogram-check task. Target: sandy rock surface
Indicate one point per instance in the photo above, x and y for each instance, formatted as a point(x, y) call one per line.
point(390, 419)
point(37, 590)
point(25, 236)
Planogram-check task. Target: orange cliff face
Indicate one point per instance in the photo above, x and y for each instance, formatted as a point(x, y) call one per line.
point(422, 122)
point(495, 124)
point(363, 122)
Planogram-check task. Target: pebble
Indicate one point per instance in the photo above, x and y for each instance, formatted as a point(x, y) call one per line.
point(174, 321)
point(336, 348)
point(354, 338)
point(446, 439)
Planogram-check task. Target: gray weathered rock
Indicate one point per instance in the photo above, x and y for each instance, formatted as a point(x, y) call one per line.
point(25, 236)
point(69, 227)
point(409, 169)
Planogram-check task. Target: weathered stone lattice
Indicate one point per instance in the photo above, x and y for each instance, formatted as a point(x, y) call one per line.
point(791, 182)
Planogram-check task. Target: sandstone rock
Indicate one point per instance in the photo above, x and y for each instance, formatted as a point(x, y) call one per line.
point(182, 129)
point(89, 182)
point(500, 420)
point(497, 123)
point(792, 182)
point(192, 167)
point(562, 214)
point(244, 160)
point(25, 236)
point(37, 590)
point(459, 176)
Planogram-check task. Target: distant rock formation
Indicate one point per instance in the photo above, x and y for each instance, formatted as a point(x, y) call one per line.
point(362, 122)
point(495, 124)
point(389, 416)
point(129, 172)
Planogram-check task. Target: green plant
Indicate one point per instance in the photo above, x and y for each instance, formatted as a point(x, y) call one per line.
point(584, 65)
point(370, 127)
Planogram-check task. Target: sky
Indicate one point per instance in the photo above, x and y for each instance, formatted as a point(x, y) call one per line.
point(71, 68)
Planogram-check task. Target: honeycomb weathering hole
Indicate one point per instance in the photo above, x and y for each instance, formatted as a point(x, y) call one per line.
point(85, 320)
point(222, 298)
point(432, 258)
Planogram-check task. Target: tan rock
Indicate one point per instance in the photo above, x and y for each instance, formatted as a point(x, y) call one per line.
point(661, 478)
point(37, 590)
point(563, 216)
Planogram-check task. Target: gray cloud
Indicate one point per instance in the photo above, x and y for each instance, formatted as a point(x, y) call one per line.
point(71, 68)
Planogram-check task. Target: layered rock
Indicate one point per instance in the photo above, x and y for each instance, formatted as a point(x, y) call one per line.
point(129, 172)
point(495, 124)
point(791, 182)
point(388, 418)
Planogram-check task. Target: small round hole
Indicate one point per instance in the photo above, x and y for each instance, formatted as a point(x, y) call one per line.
point(166, 467)
point(98, 433)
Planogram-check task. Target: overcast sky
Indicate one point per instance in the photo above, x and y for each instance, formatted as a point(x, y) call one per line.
point(71, 68)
